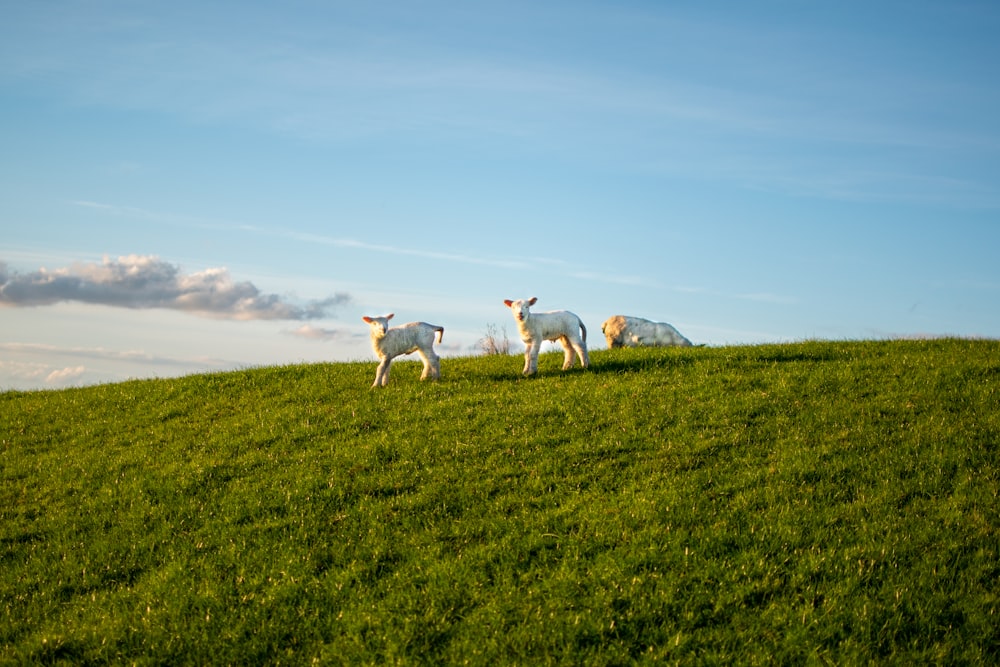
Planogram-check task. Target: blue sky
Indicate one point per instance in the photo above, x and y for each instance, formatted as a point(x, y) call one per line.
point(198, 186)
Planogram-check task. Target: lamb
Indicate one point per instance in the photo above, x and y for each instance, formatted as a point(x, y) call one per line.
point(625, 331)
point(560, 325)
point(405, 339)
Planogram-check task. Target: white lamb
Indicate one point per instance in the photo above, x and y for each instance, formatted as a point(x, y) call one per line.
point(405, 339)
point(560, 325)
point(625, 331)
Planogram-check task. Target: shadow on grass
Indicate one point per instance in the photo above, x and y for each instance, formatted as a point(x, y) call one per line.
point(614, 362)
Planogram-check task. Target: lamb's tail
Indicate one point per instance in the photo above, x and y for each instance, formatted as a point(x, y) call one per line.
point(584, 330)
point(440, 333)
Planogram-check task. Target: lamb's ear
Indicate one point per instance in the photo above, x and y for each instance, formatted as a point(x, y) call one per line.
point(532, 300)
point(508, 303)
point(366, 319)
point(390, 316)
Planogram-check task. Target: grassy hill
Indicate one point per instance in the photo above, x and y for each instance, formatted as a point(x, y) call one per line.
point(804, 503)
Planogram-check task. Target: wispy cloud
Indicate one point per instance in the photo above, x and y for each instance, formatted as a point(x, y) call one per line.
point(311, 332)
point(400, 250)
point(306, 237)
point(102, 354)
point(610, 278)
point(145, 281)
point(162, 217)
point(341, 78)
point(34, 365)
point(760, 297)
point(526, 263)
point(30, 373)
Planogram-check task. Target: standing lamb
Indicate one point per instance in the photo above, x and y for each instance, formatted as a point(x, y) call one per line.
point(560, 325)
point(413, 337)
point(625, 331)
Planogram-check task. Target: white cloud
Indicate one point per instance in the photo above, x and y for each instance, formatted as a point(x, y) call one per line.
point(145, 281)
point(64, 375)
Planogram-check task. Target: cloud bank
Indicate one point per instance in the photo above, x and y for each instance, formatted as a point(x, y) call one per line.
point(145, 281)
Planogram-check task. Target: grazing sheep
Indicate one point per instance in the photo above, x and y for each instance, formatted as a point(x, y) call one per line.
point(560, 325)
point(625, 331)
point(413, 337)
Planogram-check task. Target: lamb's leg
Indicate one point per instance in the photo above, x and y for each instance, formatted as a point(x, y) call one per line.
point(382, 373)
point(432, 364)
point(531, 357)
point(581, 350)
point(568, 356)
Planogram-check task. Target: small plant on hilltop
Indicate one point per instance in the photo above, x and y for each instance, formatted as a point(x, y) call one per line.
point(493, 342)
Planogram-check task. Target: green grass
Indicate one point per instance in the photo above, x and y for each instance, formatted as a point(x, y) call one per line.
point(812, 503)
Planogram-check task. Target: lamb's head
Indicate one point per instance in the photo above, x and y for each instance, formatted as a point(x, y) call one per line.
point(613, 326)
point(379, 325)
point(520, 308)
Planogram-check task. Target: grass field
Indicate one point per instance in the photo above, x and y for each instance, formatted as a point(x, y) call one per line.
point(809, 503)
